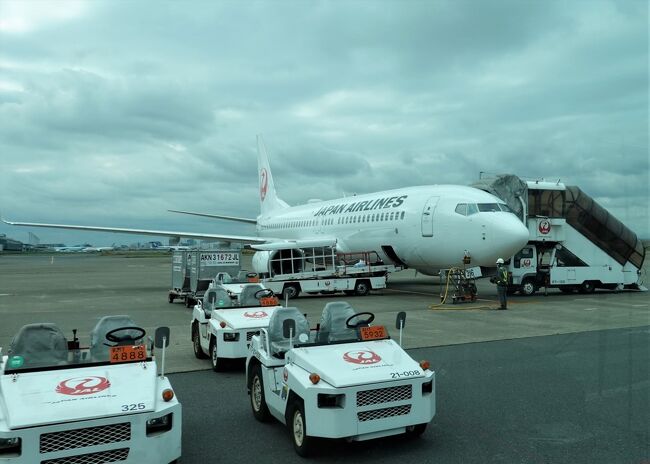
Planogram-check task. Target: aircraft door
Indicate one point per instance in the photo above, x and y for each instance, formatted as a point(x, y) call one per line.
point(427, 216)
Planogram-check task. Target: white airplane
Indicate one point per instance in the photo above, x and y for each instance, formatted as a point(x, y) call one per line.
point(426, 228)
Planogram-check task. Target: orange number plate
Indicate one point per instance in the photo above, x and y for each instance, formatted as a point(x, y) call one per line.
point(129, 353)
point(373, 333)
point(269, 301)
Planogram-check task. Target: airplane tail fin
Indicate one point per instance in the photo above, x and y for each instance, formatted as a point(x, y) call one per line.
point(269, 200)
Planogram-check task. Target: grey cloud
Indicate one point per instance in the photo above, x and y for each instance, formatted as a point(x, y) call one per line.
point(132, 109)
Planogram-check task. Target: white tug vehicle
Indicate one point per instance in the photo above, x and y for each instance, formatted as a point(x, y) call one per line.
point(345, 379)
point(61, 403)
point(222, 327)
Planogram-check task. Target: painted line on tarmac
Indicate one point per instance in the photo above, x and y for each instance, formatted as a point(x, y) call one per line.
point(589, 309)
point(5, 294)
point(640, 306)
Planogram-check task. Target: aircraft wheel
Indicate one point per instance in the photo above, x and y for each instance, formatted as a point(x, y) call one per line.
point(258, 400)
point(196, 342)
point(413, 431)
point(298, 429)
point(217, 362)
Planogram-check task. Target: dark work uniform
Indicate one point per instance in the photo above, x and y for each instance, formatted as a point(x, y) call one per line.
point(502, 286)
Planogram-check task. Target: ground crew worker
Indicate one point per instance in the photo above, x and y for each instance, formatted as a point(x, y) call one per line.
point(502, 283)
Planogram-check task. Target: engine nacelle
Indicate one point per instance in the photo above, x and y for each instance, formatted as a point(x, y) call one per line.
point(274, 262)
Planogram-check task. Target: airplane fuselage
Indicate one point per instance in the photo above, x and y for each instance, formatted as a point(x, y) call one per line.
point(420, 225)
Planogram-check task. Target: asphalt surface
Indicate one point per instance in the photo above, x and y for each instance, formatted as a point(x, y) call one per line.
point(556, 378)
point(577, 398)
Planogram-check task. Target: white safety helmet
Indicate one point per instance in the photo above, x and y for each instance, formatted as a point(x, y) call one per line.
point(500, 261)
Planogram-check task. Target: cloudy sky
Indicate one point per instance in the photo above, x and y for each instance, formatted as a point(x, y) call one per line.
point(113, 112)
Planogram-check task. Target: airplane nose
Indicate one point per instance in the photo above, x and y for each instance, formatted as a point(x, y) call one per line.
point(510, 236)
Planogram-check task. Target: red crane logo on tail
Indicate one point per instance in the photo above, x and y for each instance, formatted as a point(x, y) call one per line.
point(264, 183)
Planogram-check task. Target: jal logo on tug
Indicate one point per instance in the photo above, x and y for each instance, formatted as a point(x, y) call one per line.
point(256, 314)
point(82, 386)
point(264, 183)
point(361, 357)
point(544, 227)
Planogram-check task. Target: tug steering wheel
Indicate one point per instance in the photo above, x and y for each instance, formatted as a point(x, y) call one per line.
point(126, 337)
point(361, 323)
point(264, 293)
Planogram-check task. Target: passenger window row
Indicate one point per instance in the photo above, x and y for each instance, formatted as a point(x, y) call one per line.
point(358, 218)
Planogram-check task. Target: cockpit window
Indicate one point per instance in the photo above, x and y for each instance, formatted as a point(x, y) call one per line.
point(506, 208)
point(461, 208)
point(488, 207)
point(472, 209)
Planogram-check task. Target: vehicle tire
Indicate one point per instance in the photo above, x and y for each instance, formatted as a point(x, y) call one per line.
point(188, 302)
point(217, 362)
point(298, 428)
point(528, 287)
point(170, 298)
point(258, 399)
point(362, 288)
point(196, 343)
point(587, 286)
point(290, 291)
point(413, 431)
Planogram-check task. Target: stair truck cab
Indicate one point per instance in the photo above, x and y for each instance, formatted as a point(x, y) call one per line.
point(575, 244)
point(346, 379)
point(222, 328)
point(63, 403)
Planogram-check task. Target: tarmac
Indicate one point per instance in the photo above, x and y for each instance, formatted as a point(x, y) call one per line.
point(74, 290)
point(556, 378)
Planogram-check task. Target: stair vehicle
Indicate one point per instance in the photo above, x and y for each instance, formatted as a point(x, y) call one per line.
point(291, 271)
point(63, 403)
point(346, 379)
point(222, 328)
point(574, 243)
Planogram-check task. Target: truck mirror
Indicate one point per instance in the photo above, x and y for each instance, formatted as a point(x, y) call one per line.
point(161, 333)
point(288, 328)
point(400, 322)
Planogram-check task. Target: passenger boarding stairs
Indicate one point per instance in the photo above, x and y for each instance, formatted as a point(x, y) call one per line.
point(583, 232)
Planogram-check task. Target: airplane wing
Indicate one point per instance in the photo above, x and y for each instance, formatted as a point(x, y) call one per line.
point(285, 244)
point(216, 216)
point(159, 233)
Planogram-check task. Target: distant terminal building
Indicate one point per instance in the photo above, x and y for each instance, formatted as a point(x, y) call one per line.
point(9, 244)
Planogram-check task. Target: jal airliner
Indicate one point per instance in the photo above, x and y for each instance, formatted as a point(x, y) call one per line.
point(426, 228)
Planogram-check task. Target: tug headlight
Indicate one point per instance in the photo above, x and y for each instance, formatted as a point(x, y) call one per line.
point(425, 365)
point(230, 337)
point(10, 447)
point(222, 324)
point(315, 378)
point(159, 425)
